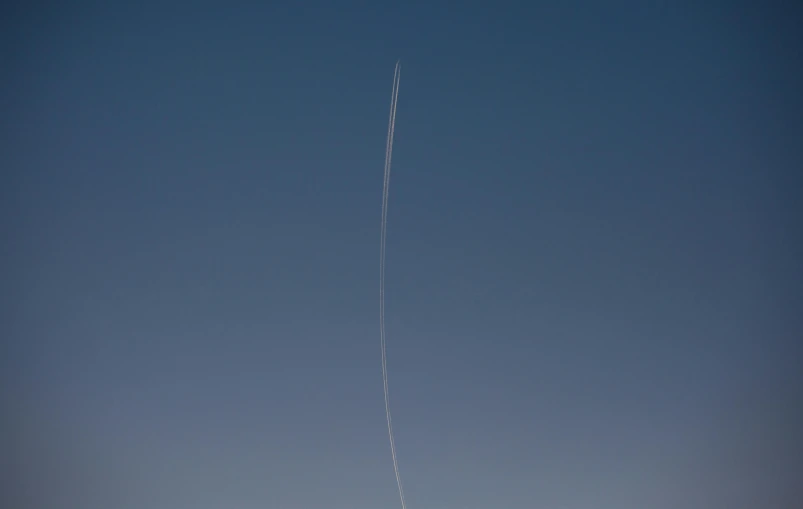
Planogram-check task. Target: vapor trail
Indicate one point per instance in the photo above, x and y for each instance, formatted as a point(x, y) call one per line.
point(383, 237)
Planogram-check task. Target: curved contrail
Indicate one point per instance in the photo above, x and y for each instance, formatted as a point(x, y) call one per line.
point(383, 236)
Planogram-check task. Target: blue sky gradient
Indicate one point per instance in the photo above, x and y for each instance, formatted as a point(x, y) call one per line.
point(593, 266)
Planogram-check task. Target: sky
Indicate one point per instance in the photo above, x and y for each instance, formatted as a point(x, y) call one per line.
point(593, 255)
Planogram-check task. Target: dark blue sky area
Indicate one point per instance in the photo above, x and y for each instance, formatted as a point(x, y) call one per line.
point(593, 266)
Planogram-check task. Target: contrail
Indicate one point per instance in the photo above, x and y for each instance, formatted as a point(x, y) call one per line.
point(383, 235)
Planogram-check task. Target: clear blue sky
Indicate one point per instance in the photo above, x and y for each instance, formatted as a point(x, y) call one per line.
point(593, 266)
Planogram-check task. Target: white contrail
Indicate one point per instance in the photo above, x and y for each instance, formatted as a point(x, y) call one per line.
point(383, 236)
